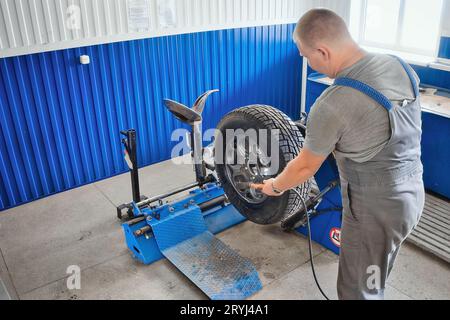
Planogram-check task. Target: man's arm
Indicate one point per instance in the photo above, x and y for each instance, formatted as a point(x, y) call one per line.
point(303, 167)
point(324, 129)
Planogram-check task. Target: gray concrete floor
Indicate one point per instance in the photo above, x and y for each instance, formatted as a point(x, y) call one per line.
point(39, 240)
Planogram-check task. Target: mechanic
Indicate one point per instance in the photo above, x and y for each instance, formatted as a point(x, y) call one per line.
point(371, 120)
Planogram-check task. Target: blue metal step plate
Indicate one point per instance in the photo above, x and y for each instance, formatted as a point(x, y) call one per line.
point(210, 264)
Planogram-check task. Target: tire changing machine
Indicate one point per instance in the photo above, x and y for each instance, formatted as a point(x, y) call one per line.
point(183, 230)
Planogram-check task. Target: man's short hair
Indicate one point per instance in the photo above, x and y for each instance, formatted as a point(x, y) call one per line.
point(320, 24)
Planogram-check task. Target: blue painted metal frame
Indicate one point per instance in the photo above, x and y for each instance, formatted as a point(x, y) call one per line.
point(217, 219)
point(179, 232)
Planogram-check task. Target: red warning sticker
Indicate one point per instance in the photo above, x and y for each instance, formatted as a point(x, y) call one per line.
point(335, 236)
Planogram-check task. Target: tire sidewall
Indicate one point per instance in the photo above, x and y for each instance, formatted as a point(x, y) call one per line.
point(271, 210)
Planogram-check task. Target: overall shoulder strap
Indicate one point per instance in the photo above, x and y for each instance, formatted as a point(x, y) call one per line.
point(409, 72)
point(366, 89)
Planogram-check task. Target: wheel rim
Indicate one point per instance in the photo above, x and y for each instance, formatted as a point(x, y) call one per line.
point(246, 162)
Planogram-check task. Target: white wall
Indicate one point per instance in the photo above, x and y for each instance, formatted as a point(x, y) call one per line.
point(29, 26)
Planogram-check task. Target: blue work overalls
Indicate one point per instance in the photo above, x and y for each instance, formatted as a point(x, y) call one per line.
point(383, 198)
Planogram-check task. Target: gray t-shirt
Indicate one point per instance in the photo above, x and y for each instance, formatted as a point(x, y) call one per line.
point(349, 122)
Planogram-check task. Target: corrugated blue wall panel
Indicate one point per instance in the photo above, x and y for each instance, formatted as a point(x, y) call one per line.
point(60, 120)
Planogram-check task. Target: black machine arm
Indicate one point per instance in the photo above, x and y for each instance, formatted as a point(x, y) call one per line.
point(129, 142)
point(125, 211)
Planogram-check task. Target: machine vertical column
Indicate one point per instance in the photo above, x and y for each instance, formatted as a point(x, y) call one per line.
point(197, 151)
point(130, 145)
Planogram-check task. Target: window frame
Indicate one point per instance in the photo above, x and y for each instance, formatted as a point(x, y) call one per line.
point(397, 46)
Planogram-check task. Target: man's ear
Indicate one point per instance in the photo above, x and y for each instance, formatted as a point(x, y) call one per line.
point(324, 52)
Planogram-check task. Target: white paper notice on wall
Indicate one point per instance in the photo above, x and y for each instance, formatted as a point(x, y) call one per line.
point(138, 15)
point(167, 14)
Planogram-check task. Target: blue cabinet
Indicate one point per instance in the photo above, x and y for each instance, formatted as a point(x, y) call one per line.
point(314, 88)
point(436, 153)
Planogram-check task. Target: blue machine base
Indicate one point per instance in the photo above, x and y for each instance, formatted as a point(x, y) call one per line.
point(184, 235)
point(215, 268)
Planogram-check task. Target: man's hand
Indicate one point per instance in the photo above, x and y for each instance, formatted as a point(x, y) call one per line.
point(265, 187)
point(300, 169)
